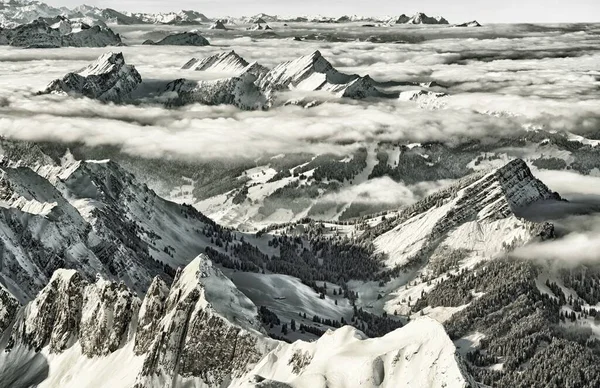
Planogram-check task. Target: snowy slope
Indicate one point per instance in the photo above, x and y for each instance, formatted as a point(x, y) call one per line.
point(425, 99)
point(475, 210)
point(313, 72)
point(417, 355)
point(93, 217)
point(226, 62)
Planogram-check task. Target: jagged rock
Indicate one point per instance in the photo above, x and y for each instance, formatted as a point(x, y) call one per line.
point(53, 318)
point(418, 18)
point(182, 39)
point(202, 328)
point(108, 310)
point(203, 307)
point(150, 314)
point(238, 91)
point(107, 79)
point(8, 307)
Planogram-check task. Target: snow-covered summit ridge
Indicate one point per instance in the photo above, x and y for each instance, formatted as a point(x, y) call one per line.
point(418, 355)
point(227, 61)
point(217, 292)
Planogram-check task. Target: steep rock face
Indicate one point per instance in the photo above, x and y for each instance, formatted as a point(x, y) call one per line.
point(182, 39)
point(53, 318)
point(42, 231)
point(106, 79)
point(203, 307)
point(151, 312)
point(417, 355)
point(107, 312)
point(313, 72)
point(476, 215)
point(69, 309)
point(8, 308)
point(238, 91)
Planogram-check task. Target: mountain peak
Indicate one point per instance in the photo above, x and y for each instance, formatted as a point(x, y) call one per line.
point(217, 292)
point(476, 214)
point(520, 187)
point(225, 62)
point(108, 78)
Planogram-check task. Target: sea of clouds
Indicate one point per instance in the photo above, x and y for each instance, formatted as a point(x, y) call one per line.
point(547, 76)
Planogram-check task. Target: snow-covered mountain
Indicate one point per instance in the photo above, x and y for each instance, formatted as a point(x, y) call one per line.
point(477, 215)
point(103, 15)
point(417, 355)
point(93, 217)
point(225, 62)
point(239, 91)
point(418, 18)
point(217, 25)
point(184, 17)
point(58, 32)
point(473, 23)
point(181, 39)
point(426, 99)
point(312, 73)
point(201, 329)
point(259, 27)
point(16, 12)
point(106, 79)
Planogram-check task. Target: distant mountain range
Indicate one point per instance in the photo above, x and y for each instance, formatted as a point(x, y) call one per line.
point(15, 12)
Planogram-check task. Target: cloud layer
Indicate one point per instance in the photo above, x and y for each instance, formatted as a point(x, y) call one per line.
point(553, 83)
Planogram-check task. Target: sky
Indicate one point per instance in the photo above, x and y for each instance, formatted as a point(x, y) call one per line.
point(485, 11)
